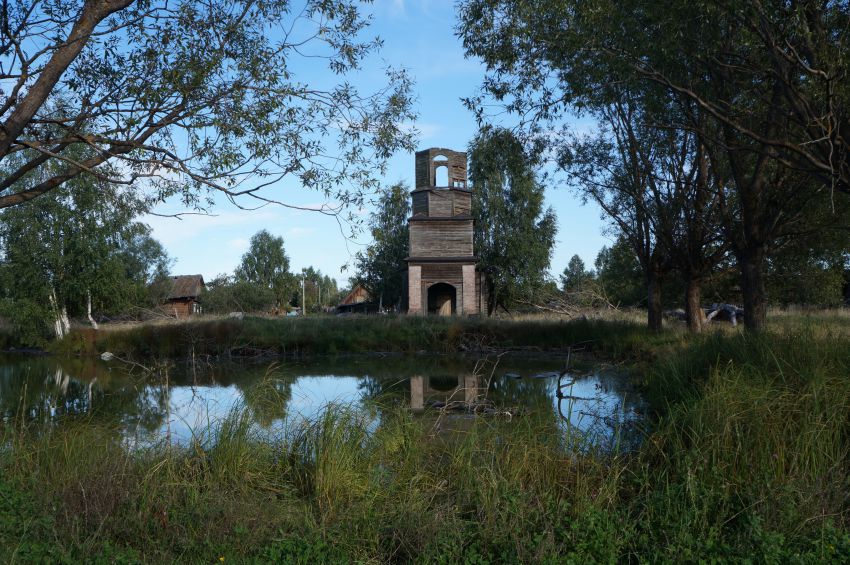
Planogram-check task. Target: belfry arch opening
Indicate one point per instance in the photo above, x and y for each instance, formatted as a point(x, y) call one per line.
point(441, 170)
point(442, 299)
point(441, 175)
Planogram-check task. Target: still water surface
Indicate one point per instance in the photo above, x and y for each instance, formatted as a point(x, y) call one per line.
point(182, 402)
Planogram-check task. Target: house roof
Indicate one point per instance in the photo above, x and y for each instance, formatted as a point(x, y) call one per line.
point(357, 295)
point(186, 286)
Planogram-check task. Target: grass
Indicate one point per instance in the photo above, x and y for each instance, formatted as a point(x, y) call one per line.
point(748, 459)
point(332, 335)
point(824, 322)
point(614, 335)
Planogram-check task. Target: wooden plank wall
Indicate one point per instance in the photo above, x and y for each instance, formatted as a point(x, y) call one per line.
point(462, 204)
point(182, 308)
point(441, 204)
point(441, 239)
point(449, 203)
point(420, 204)
point(451, 273)
point(425, 167)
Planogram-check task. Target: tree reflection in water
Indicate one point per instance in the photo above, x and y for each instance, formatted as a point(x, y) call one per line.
point(181, 399)
point(45, 390)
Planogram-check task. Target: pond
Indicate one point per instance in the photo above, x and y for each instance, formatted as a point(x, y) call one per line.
point(182, 402)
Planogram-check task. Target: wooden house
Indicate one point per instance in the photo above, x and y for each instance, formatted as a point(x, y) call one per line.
point(357, 301)
point(441, 274)
point(183, 298)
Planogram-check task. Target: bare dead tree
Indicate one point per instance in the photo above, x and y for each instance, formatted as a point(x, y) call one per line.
point(591, 294)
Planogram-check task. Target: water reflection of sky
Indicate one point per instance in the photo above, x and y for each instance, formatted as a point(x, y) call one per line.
point(605, 414)
point(311, 394)
point(599, 403)
point(197, 408)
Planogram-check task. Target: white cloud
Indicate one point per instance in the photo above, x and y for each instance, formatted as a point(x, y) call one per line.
point(171, 231)
point(239, 244)
point(299, 232)
point(425, 130)
point(397, 8)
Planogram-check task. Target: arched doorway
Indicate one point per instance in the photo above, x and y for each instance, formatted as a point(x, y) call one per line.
point(443, 383)
point(442, 299)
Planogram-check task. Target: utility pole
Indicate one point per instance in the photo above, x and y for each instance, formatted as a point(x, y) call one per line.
point(303, 294)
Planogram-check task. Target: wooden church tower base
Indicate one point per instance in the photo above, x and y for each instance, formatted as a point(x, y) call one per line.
point(441, 275)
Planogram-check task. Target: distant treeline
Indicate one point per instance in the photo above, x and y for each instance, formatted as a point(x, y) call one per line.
point(618, 280)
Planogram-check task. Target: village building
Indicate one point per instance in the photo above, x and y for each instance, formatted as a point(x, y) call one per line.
point(183, 299)
point(358, 301)
point(441, 274)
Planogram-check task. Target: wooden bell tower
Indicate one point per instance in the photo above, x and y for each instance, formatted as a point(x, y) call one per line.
point(441, 264)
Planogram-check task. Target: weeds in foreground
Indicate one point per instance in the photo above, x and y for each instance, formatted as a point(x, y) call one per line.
point(747, 460)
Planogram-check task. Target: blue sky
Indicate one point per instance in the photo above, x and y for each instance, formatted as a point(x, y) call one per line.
point(418, 35)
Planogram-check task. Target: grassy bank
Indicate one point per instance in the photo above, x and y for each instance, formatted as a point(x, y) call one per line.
point(749, 459)
point(333, 335)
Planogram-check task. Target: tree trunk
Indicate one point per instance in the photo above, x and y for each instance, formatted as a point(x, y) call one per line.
point(88, 310)
point(61, 379)
point(693, 308)
point(753, 288)
point(90, 395)
point(60, 316)
point(491, 298)
point(66, 322)
point(653, 287)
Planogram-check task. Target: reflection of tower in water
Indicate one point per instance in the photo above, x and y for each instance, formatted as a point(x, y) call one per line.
point(460, 392)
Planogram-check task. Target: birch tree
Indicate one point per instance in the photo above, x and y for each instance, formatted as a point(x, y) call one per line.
point(514, 231)
point(75, 252)
point(266, 265)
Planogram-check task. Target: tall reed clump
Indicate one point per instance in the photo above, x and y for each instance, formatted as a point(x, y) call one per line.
point(221, 493)
point(752, 448)
point(329, 459)
point(340, 487)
